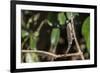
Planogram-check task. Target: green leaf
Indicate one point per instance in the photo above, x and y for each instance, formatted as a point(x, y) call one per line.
point(75, 14)
point(52, 17)
point(36, 16)
point(55, 35)
point(24, 33)
point(61, 18)
point(70, 14)
point(33, 43)
point(86, 32)
point(33, 40)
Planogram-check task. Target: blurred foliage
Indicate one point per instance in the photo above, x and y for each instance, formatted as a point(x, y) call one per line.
point(55, 35)
point(70, 14)
point(86, 32)
point(61, 18)
point(52, 17)
point(24, 33)
point(31, 22)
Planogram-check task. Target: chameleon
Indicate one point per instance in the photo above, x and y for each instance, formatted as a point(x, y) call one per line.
point(70, 36)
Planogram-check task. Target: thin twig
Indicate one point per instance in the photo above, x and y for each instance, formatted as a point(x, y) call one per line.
point(67, 55)
point(38, 51)
point(50, 54)
point(77, 44)
point(41, 24)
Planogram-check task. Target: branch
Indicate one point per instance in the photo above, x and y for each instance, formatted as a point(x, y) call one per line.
point(67, 55)
point(77, 44)
point(50, 54)
point(38, 51)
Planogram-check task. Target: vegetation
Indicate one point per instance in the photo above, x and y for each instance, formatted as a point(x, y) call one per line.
point(54, 36)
